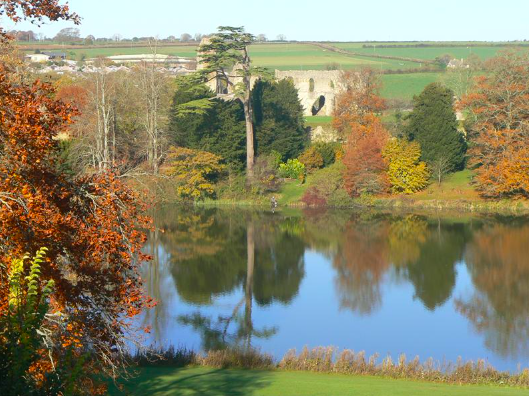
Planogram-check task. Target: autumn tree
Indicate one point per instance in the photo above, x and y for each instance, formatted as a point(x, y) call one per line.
point(311, 158)
point(358, 100)
point(153, 98)
point(355, 117)
point(433, 124)
point(406, 172)
point(365, 167)
point(225, 58)
point(194, 171)
point(35, 11)
point(499, 127)
point(88, 223)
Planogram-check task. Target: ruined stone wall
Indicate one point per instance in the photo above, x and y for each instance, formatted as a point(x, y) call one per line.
point(312, 85)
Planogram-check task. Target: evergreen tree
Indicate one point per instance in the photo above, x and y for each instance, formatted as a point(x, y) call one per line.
point(279, 118)
point(433, 124)
point(201, 122)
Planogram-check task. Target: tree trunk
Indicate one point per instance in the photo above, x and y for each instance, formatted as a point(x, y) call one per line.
point(250, 136)
point(250, 243)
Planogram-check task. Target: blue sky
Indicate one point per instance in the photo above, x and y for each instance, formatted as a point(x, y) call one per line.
point(340, 20)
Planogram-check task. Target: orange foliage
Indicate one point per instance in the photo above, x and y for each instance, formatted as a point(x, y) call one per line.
point(35, 11)
point(89, 224)
point(355, 117)
point(365, 167)
point(74, 95)
point(500, 133)
point(359, 99)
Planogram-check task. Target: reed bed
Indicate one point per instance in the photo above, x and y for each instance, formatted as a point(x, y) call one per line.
point(333, 360)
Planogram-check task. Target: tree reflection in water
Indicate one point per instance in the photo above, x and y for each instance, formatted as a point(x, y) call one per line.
point(498, 260)
point(221, 254)
point(209, 254)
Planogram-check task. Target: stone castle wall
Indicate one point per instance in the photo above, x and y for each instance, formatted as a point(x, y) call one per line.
point(312, 85)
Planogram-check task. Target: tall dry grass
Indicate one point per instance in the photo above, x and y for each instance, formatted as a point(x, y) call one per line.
point(333, 360)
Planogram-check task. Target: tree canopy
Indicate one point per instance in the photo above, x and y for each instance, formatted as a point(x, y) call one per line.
point(433, 124)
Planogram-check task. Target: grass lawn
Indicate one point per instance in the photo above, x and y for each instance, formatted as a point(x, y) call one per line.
point(291, 192)
point(217, 382)
point(455, 187)
point(315, 121)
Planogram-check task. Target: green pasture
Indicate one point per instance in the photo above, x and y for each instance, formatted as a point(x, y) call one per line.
point(310, 57)
point(405, 86)
point(428, 53)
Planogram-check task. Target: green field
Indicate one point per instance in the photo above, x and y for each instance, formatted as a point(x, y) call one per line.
point(218, 382)
point(272, 56)
point(404, 86)
point(311, 57)
point(427, 53)
point(300, 56)
point(177, 50)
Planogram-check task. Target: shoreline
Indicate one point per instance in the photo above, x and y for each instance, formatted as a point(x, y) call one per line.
point(518, 208)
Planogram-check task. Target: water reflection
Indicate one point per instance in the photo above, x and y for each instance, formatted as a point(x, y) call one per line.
point(234, 277)
point(498, 260)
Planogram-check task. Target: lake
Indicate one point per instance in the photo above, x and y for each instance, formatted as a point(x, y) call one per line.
point(433, 285)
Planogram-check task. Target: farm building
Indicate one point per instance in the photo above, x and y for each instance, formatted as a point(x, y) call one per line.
point(37, 58)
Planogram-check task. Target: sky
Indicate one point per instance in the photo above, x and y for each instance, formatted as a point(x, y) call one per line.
point(321, 20)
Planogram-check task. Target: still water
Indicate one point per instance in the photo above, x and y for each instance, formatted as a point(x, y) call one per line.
point(436, 286)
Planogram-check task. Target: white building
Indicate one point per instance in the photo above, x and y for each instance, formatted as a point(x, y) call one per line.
point(38, 58)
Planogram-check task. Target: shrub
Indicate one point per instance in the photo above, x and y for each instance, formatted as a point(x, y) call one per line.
point(328, 151)
point(312, 197)
point(326, 188)
point(311, 158)
point(21, 324)
point(195, 172)
point(406, 173)
point(265, 174)
point(292, 169)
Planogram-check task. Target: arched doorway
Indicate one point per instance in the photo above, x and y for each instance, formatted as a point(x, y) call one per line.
point(318, 105)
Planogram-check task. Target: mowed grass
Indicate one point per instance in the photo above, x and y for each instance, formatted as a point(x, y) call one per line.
point(292, 192)
point(218, 382)
point(315, 121)
point(429, 53)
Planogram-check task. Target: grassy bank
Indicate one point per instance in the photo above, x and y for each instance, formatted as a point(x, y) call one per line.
point(216, 382)
point(455, 193)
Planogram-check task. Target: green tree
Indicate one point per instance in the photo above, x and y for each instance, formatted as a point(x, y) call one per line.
point(433, 124)
point(225, 57)
point(279, 120)
point(201, 122)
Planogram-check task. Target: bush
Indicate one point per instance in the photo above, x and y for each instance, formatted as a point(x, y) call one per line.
point(292, 169)
point(312, 159)
point(328, 152)
point(266, 174)
point(326, 188)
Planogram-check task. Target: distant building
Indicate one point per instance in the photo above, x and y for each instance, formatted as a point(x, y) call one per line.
point(458, 64)
point(150, 58)
point(37, 58)
point(54, 56)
